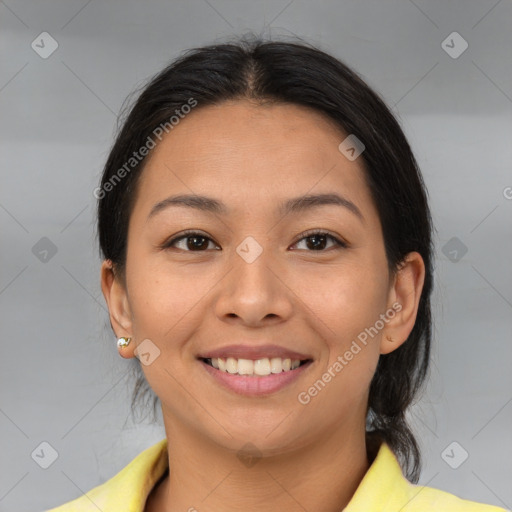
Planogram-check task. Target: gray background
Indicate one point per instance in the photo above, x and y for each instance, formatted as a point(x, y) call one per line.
point(61, 379)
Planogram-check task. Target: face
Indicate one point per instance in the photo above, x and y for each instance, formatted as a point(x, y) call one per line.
point(312, 279)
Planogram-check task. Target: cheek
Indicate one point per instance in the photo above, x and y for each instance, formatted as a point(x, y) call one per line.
point(159, 298)
point(167, 299)
point(348, 304)
point(348, 298)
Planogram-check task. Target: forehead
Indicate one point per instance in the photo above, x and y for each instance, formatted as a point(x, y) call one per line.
point(252, 155)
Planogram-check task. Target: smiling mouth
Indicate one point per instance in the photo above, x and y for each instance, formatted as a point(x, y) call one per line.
point(254, 368)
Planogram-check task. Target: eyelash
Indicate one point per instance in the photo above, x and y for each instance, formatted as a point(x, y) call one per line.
point(339, 244)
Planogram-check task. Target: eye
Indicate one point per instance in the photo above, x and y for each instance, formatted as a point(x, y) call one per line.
point(194, 241)
point(319, 239)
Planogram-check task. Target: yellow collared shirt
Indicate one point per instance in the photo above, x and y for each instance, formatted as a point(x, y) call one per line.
point(383, 489)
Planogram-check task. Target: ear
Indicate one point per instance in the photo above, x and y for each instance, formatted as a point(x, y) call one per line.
point(404, 293)
point(119, 308)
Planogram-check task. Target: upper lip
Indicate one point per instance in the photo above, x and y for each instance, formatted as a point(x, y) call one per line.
point(253, 352)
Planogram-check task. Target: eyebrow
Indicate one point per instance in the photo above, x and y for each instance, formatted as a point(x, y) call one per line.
point(294, 205)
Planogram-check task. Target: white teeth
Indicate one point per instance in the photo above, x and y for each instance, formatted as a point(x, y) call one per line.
point(231, 365)
point(246, 367)
point(259, 367)
point(276, 365)
point(262, 367)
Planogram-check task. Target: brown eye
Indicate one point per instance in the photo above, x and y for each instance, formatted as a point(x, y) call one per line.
point(317, 240)
point(192, 241)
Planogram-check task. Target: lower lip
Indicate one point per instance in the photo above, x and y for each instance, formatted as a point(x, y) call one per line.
point(255, 385)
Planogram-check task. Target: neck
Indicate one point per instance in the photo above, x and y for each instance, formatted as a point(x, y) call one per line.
point(205, 477)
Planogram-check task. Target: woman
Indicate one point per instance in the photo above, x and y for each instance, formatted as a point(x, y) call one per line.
point(267, 252)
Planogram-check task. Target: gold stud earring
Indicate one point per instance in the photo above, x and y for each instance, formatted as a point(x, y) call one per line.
point(123, 342)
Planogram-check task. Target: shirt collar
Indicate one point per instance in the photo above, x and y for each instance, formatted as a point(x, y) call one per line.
point(383, 487)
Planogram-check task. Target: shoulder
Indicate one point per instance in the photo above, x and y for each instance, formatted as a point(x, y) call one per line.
point(128, 489)
point(385, 488)
point(423, 499)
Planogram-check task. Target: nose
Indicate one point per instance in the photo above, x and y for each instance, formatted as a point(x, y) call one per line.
point(254, 293)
